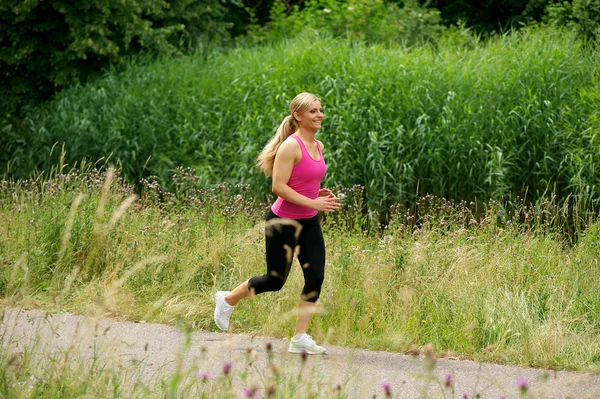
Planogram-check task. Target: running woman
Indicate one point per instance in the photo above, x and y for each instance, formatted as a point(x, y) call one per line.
point(294, 160)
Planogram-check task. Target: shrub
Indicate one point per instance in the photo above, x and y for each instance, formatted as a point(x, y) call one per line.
point(371, 20)
point(45, 45)
point(583, 15)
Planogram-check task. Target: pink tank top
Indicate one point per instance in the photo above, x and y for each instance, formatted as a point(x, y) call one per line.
point(306, 180)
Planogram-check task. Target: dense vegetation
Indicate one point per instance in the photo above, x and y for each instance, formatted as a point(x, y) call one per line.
point(45, 45)
point(82, 241)
point(464, 120)
point(472, 131)
point(48, 45)
point(414, 106)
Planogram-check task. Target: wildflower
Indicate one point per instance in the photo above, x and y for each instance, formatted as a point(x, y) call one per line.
point(387, 388)
point(429, 351)
point(448, 381)
point(250, 392)
point(270, 352)
point(204, 376)
point(522, 384)
point(226, 368)
point(337, 387)
point(465, 395)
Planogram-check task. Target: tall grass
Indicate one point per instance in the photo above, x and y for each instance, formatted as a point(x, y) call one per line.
point(515, 115)
point(494, 288)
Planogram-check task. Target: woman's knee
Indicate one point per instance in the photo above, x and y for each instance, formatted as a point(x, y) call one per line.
point(267, 283)
point(275, 284)
point(312, 290)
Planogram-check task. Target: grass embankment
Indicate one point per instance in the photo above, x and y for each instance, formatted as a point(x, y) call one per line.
point(490, 289)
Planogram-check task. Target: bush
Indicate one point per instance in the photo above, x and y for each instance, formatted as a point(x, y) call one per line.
point(583, 15)
point(372, 20)
point(46, 45)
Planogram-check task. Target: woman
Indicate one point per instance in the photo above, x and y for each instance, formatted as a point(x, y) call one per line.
point(294, 160)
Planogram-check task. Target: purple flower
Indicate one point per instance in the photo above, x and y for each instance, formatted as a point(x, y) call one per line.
point(204, 376)
point(226, 368)
point(522, 384)
point(465, 395)
point(387, 388)
point(448, 381)
point(250, 392)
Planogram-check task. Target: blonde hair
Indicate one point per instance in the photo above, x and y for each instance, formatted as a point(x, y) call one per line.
point(301, 103)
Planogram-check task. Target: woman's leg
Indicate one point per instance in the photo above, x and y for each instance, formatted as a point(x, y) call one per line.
point(312, 260)
point(305, 313)
point(280, 243)
point(240, 292)
point(278, 259)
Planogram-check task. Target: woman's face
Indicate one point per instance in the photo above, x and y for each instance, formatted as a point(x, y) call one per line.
point(312, 118)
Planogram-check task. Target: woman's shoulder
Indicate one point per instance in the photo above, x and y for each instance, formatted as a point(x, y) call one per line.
point(290, 146)
point(320, 143)
point(291, 142)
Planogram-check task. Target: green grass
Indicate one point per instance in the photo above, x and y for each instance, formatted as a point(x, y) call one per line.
point(490, 289)
point(464, 119)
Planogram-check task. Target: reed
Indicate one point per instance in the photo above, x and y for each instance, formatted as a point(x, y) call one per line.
point(464, 119)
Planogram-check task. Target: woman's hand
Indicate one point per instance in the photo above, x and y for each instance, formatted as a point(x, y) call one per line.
point(326, 201)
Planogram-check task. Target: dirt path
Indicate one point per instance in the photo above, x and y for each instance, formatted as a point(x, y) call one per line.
point(159, 349)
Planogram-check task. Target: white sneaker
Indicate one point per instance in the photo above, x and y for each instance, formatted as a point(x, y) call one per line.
point(223, 310)
point(306, 344)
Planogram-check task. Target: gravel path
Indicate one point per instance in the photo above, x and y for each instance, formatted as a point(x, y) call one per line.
point(158, 349)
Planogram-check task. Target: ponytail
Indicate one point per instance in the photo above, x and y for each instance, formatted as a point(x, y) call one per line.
point(266, 159)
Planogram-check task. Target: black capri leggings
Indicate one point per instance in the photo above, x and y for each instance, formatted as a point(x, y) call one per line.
point(283, 238)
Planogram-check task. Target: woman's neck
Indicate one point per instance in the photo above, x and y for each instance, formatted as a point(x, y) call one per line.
point(306, 135)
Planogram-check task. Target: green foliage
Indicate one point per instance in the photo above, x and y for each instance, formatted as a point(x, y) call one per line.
point(371, 20)
point(468, 120)
point(45, 45)
point(483, 16)
point(583, 15)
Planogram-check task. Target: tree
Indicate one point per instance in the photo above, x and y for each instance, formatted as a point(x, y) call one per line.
point(582, 15)
point(47, 45)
